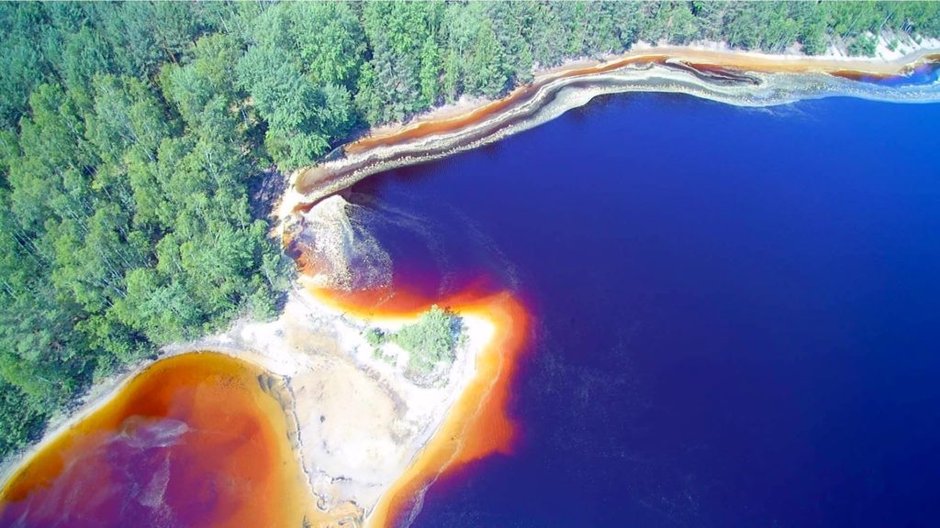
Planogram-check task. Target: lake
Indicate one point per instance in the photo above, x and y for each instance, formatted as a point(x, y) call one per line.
point(736, 311)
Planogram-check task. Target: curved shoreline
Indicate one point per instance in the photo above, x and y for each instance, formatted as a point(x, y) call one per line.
point(134, 414)
point(745, 61)
point(477, 423)
point(346, 491)
point(732, 77)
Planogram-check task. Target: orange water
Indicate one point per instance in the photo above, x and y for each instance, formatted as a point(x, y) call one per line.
point(194, 440)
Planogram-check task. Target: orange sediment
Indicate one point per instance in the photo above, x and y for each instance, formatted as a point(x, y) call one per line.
point(226, 462)
point(478, 424)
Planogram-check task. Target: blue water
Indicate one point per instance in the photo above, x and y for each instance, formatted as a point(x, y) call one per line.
point(737, 312)
point(924, 74)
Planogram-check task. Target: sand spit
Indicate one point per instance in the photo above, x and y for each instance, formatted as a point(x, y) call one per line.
point(358, 421)
point(746, 79)
point(477, 424)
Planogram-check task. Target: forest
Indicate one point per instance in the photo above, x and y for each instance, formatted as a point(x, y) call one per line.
point(137, 140)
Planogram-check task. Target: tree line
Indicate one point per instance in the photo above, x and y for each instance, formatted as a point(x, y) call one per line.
point(133, 137)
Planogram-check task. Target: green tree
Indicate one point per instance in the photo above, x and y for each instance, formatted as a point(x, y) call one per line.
point(863, 45)
point(132, 134)
point(486, 75)
point(430, 73)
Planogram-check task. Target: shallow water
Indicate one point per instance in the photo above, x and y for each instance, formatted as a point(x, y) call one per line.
point(196, 440)
point(925, 74)
point(736, 311)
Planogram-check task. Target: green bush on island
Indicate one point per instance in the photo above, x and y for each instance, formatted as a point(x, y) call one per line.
point(431, 340)
point(138, 139)
point(375, 337)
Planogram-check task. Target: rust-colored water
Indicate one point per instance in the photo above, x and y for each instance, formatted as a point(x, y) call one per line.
point(195, 440)
point(478, 425)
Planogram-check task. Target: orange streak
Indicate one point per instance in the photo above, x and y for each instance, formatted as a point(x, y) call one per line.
point(478, 425)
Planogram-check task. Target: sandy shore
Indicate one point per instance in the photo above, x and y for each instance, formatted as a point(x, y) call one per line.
point(885, 61)
point(360, 422)
point(707, 71)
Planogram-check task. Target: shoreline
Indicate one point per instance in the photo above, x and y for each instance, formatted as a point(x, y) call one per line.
point(728, 76)
point(710, 53)
point(477, 423)
point(347, 486)
point(144, 413)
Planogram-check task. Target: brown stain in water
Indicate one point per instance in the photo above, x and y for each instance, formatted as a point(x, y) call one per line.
point(194, 440)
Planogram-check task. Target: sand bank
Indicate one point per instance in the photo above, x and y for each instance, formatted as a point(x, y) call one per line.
point(361, 422)
point(477, 424)
point(714, 54)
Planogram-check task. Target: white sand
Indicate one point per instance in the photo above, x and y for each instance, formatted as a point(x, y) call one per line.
point(360, 420)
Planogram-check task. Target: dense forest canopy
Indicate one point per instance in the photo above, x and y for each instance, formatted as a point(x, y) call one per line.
point(134, 135)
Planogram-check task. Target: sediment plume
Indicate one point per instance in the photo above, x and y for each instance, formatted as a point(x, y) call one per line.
point(338, 249)
point(475, 421)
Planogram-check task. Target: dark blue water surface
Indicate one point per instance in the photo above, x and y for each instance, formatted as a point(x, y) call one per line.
point(737, 312)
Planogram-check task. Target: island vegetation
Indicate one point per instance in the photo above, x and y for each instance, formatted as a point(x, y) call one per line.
point(138, 140)
point(430, 341)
